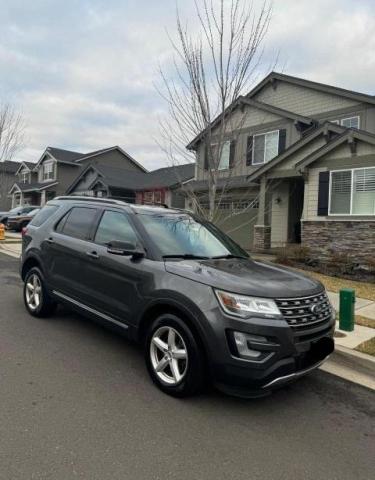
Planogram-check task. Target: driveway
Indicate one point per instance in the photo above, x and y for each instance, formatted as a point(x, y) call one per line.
point(76, 402)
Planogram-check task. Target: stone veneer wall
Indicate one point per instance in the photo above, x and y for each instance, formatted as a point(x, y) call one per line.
point(356, 238)
point(262, 238)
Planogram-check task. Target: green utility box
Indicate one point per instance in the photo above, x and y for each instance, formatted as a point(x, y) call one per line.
point(347, 301)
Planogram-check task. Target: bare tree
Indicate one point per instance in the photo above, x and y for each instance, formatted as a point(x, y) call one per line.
point(214, 65)
point(11, 141)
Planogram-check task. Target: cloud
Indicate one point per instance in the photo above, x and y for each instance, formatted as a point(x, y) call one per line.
point(84, 72)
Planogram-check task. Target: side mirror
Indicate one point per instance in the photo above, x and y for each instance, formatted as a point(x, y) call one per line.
point(127, 249)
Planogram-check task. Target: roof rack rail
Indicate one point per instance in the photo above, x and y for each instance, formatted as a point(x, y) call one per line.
point(83, 198)
point(154, 204)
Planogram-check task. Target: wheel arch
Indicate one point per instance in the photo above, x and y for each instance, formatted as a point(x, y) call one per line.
point(169, 306)
point(30, 263)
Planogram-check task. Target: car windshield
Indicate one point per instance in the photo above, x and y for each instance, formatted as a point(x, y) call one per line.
point(186, 237)
point(16, 210)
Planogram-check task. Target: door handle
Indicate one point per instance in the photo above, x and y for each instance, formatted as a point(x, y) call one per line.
point(50, 240)
point(92, 255)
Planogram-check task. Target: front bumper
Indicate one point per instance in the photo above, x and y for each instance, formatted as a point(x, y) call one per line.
point(287, 354)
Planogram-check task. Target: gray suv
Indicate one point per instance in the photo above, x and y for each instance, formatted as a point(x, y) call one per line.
point(200, 307)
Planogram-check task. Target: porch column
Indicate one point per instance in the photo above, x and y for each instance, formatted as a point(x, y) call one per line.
point(262, 231)
point(43, 198)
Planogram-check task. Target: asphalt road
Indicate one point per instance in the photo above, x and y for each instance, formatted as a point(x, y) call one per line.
point(76, 402)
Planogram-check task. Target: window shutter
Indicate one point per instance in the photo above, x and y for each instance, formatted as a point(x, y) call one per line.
point(323, 193)
point(282, 140)
point(232, 152)
point(249, 150)
point(205, 160)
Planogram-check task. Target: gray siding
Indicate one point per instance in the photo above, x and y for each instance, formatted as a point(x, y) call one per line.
point(113, 158)
point(302, 100)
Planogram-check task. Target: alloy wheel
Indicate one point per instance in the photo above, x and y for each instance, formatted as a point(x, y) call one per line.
point(169, 356)
point(33, 292)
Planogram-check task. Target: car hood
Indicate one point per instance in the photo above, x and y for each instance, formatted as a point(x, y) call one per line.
point(247, 277)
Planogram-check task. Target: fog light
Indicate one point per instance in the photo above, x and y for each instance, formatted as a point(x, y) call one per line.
point(244, 351)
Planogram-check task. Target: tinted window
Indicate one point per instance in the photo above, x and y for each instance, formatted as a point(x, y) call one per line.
point(43, 215)
point(115, 226)
point(79, 222)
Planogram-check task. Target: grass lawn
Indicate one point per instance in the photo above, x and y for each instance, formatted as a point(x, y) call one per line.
point(335, 284)
point(364, 321)
point(367, 347)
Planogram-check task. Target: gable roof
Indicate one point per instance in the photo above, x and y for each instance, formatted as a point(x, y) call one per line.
point(324, 129)
point(274, 77)
point(32, 187)
point(63, 155)
point(10, 166)
point(166, 177)
point(245, 100)
point(322, 87)
point(28, 165)
point(350, 136)
point(84, 156)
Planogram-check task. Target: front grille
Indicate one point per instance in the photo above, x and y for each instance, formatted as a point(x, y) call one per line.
point(305, 311)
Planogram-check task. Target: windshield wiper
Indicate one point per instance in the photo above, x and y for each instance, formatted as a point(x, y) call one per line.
point(229, 256)
point(186, 256)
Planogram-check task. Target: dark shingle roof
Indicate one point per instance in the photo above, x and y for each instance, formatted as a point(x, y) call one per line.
point(10, 166)
point(162, 178)
point(28, 187)
point(64, 155)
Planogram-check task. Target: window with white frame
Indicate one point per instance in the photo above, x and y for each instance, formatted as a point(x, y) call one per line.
point(350, 122)
point(265, 147)
point(48, 171)
point(352, 192)
point(24, 176)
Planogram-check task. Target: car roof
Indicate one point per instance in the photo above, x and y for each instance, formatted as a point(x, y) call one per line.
point(158, 209)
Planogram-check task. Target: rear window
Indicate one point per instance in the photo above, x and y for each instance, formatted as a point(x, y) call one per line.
point(77, 223)
point(43, 215)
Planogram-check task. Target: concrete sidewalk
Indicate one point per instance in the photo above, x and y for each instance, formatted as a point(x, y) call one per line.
point(11, 249)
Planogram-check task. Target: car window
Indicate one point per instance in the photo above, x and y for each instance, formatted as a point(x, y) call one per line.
point(115, 226)
point(43, 215)
point(78, 222)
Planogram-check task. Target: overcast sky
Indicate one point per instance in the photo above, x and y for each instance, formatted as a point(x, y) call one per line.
point(83, 71)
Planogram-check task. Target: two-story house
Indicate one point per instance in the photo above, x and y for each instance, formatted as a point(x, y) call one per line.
point(8, 170)
point(302, 168)
point(57, 169)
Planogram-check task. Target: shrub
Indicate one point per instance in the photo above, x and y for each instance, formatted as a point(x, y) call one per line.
point(293, 254)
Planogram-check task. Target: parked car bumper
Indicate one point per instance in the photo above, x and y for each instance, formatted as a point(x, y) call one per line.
point(285, 353)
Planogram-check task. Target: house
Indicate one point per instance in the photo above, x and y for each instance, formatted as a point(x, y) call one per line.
point(58, 168)
point(8, 170)
point(302, 168)
point(159, 186)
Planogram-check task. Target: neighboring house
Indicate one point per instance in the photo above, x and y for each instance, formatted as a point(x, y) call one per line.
point(304, 160)
point(58, 168)
point(8, 170)
point(159, 186)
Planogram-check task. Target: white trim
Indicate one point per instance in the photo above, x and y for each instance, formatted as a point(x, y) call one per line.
point(352, 170)
point(264, 134)
point(349, 118)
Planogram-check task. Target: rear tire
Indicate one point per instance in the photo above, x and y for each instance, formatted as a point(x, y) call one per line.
point(174, 358)
point(37, 300)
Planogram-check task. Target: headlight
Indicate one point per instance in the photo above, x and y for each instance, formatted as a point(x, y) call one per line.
point(243, 306)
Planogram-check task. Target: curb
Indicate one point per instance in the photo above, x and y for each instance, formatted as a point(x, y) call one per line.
point(367, 361)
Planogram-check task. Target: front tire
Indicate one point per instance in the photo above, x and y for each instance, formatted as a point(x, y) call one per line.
point(35, 295)
point(174, 358)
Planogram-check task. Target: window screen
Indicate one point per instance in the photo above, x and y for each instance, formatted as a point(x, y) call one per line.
point(341, 192)
point(364, 192)
point(266, 147)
